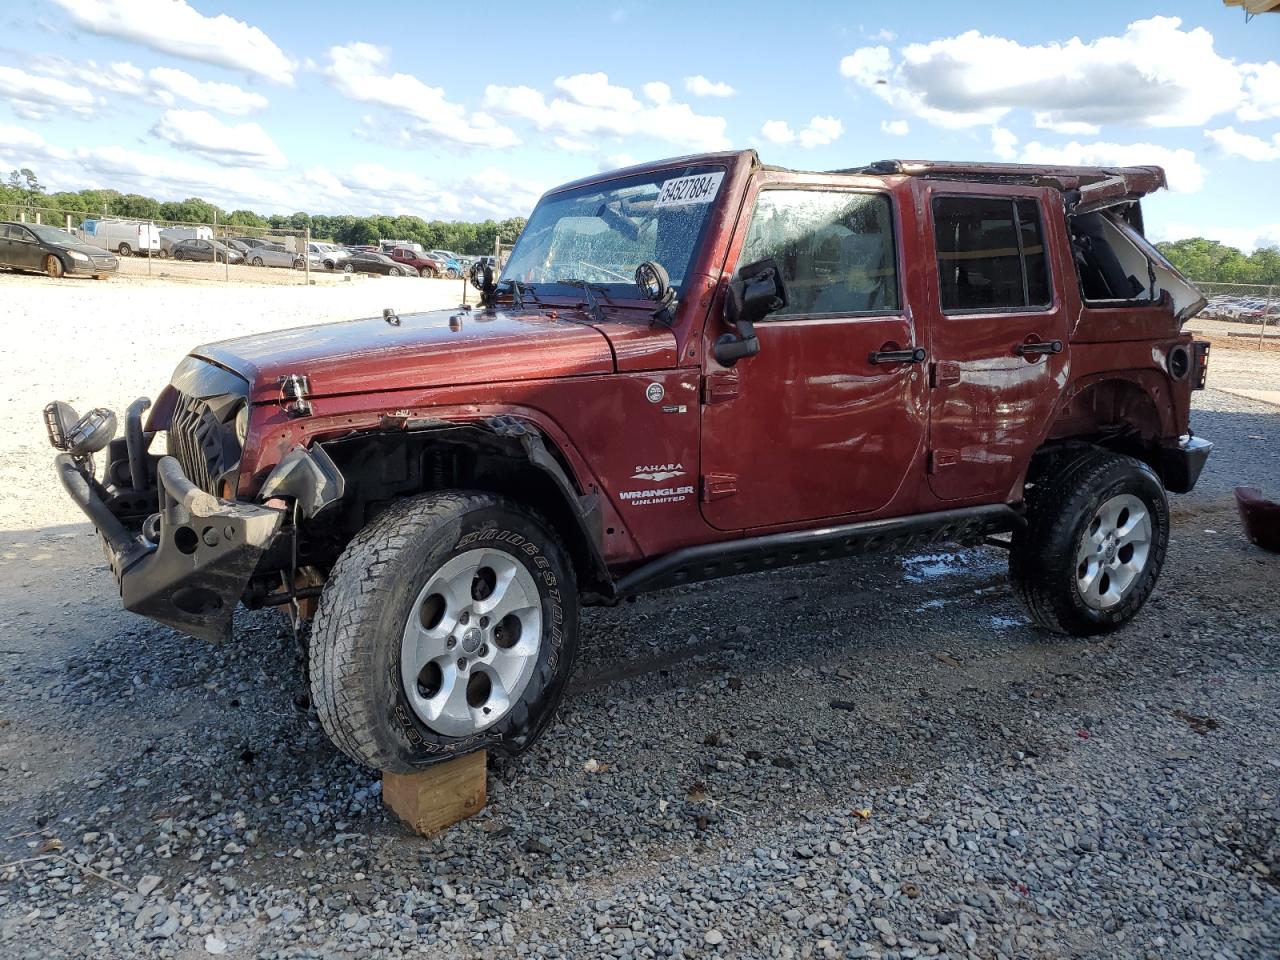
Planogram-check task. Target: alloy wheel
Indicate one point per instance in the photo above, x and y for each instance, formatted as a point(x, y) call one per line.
point(1113, 551)
point(471, 642)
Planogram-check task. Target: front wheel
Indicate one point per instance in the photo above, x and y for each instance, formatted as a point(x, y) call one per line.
point(1094, 544)
point(125, 250)
point(257, 261)
point(393, 272)
point(348, 268)
point(427, 273)
point(448, 625)
point(53, 267)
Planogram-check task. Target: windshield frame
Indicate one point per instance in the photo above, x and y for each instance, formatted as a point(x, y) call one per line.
point(626, 292)
point(37, 231)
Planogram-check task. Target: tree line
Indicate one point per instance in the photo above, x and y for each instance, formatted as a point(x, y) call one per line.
point(23, 188)
point(1213, 262)
point(1197, 258)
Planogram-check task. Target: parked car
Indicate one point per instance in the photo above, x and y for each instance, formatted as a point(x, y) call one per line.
point(210, 250)
point(694, 368)
point(254, 241)
point(171, 235)
point(328, 255)
point(368, 262)
point(124, 237)
point(238, 245)
point(423, 264)
point(273, 255)
point(33, 246)
point(453, 266)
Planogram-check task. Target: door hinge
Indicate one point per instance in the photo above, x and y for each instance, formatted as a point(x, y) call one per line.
point(944, 373)
point(942, 458)
point(719, 387)
point(716, 486)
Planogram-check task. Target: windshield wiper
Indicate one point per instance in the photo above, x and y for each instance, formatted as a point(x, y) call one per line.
point(593, 306)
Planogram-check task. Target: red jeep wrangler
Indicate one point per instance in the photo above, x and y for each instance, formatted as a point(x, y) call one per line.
point(687, 369)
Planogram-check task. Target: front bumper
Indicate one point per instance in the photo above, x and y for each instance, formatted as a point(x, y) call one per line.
point(1181, 462)
point(190, 568)
point(94, 265)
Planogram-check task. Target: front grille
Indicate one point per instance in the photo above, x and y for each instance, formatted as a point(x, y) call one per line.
point(103, 261)
point(198, 440)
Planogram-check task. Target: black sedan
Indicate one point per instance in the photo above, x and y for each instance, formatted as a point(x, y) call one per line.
point(32, 246)
point(366, 262)
point(211, 250)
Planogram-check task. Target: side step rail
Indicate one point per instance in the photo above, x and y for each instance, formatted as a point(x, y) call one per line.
point(713, 560)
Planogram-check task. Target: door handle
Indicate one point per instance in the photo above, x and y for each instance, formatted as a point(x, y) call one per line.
point(909, 355)
point(1038, 348)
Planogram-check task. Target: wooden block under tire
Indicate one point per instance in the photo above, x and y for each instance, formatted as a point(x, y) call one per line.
point(439, 796)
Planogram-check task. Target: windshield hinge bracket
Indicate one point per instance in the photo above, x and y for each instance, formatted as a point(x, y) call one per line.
point(294, 389)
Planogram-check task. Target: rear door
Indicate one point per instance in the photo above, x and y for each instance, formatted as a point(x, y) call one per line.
point(812, 427)
point(24, 250)
point(997, 330)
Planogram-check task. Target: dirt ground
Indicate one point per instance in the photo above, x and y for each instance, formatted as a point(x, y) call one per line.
point(1024, 795)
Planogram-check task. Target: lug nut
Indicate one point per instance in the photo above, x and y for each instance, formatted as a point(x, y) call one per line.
point(451, 642)
point(465, 618)
point(462, 663)
point(484, 621)
point(484, 649)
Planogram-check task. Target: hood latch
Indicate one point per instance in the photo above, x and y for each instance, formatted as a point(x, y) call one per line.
point(294, 389)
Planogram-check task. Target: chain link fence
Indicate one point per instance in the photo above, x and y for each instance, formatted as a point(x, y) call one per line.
point(197, 251)
point(1251, 303)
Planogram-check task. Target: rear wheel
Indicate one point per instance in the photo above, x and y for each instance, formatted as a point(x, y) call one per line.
point(1095, 541)
point(53, 266)
point(448, 625)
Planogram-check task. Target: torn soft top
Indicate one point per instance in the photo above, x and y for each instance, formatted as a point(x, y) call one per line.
point(1134, 182)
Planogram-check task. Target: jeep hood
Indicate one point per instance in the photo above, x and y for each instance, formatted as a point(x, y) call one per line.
point(440, 348)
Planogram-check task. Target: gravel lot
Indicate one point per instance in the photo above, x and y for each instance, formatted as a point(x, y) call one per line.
point(857, 759)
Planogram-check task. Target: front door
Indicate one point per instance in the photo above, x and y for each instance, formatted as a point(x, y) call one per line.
point(994, 326)
point(813, 426)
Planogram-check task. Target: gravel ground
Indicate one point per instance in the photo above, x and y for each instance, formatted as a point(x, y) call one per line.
point(856, 759)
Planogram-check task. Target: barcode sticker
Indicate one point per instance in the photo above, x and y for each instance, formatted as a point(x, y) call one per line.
point(700, 188)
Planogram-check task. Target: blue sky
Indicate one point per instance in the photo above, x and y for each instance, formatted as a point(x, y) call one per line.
point(440, 111)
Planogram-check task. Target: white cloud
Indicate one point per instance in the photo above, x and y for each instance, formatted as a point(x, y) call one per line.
point(1262, 88)
point(1044, 120)
point(1154, 74)
point(1004, 143)
point(199, 132)
point(570, 145)
point(884, 36)
point(587, 104)
point(166, 86)
point(819, 132)
point(657, 91)
point(1180, 165)
point(700, 86)
point(361, 190)
point(354, 70)
point(171, 84)
point(895, 128)
point(1235, 144)
point(174, 27)
point(34, 97)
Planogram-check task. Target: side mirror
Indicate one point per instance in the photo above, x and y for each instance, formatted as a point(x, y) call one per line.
point(754, 293)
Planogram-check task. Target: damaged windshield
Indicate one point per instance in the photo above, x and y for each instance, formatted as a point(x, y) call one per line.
point(600, 233)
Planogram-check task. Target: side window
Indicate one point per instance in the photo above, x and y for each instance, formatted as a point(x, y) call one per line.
point(835, 250)
point(991, 253)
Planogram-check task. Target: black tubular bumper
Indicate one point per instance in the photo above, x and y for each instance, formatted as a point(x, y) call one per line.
point(205, 549)
point(1181, 462)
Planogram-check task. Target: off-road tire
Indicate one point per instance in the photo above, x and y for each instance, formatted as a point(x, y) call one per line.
point(53, 267)
point(356, 637)
point(1065, 491)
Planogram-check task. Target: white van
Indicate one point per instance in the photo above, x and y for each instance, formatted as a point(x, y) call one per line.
point(125, 237)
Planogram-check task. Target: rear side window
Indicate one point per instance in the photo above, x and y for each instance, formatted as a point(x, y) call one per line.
point(991, 253)
point(835, 250)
